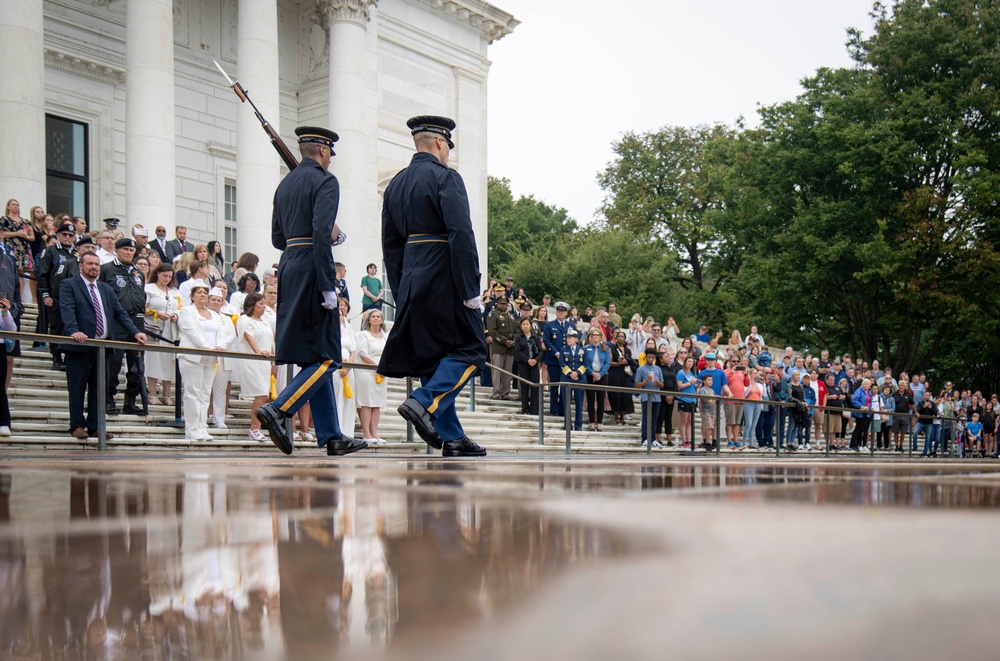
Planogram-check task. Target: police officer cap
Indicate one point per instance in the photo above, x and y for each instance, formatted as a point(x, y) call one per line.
point(499, 287)
point(318, 135)
point(525, 306)
point(86, 241)
point(562, 305)
point(432, 124)
point(66, 227)
point(572, 332)
point(112, 221)
point(124, 243)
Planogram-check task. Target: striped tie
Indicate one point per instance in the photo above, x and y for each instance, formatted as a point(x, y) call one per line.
point(97, 310)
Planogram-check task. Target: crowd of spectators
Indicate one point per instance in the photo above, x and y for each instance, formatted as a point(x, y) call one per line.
point(790, 398)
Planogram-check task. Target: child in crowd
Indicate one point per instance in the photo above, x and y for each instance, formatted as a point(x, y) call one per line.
point(959, 428)
point(974, 431)
point(707, 407)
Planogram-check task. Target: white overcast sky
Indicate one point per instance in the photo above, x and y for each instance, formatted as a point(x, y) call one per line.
point(576, 74)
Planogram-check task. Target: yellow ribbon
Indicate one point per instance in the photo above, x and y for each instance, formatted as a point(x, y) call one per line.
point(348, 393)
point(235, 318)
point(154, 313)
point(274, 389)
point(379, 379)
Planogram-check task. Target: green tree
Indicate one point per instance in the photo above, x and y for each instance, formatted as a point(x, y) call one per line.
point(660, 185)
point(874, 216)
point(516, 226)
point(597, 266)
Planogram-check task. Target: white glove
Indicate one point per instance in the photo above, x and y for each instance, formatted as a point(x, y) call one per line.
point(475, 303)
point(340, 238)
point(330, 300)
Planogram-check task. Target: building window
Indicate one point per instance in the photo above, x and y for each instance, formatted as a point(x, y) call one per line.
point(229, 246)
point(67, 175)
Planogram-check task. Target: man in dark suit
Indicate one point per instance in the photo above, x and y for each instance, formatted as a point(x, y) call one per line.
point(87, 308)
point(180, 245)
point(159, 242)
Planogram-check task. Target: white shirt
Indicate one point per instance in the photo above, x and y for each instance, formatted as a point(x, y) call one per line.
point(187, 286)
point(96, 290)
point(104, 255)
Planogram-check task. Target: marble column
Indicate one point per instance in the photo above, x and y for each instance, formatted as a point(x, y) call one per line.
point(22, 103)
point(257, 163)
point(350, 117)
point(150, 180)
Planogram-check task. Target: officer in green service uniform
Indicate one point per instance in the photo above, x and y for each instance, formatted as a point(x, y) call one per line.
point(500, 330)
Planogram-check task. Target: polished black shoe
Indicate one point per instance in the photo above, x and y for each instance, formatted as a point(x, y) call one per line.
point(415, 413)
point(463, 447)
point(345, 445)
point(111, 410)
point(132, 410)
point(274, 421)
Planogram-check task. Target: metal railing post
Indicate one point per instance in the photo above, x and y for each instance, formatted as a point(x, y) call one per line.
point(779, 410)
point(826, 417)
point(102, 400)
point(541, 409)
point(409, 425)
point(910, 441)
point(567, 396)
point(648, 416)
point(719, 417)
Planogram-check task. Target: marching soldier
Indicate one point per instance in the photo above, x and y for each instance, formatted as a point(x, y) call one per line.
point(500, 330)
point(53, 268)
point(573, 370)
point(555, 341)
point(129, 286)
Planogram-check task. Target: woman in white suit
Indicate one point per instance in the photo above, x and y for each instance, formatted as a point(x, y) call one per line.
point(199, 328)
point(224, 366)
point(347, 407)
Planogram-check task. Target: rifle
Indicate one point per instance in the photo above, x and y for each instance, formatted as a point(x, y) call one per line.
point(279, 144)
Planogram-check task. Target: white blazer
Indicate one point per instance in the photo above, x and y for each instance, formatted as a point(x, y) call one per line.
point(188, 321)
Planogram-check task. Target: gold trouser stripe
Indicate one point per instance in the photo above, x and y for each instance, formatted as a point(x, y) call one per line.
point(304, 388)
point(465, 377)
point(427, 241)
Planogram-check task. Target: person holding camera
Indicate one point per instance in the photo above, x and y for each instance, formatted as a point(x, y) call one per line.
point(649, 377)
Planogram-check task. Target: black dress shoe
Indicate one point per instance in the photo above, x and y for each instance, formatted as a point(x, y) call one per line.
point(345, 445)
point(274, 421)
point(111, 410)
point(59, 367)
point(463, 447)
point(132, 410)
point(415, 413)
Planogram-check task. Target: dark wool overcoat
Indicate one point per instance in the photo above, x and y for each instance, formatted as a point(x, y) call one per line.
point(432, 265)
point(305, 210)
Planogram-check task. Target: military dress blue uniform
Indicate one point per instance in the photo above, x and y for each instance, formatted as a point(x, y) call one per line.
point(571, 360)
point(308, 334)
point(432, 264)
point(554, 336)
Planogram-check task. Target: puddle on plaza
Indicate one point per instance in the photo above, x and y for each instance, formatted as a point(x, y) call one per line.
point(108, 568)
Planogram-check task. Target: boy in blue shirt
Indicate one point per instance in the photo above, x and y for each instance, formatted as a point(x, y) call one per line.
point(649, 377)
point(974, 434)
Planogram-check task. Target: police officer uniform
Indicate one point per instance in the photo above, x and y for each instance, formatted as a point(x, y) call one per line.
point(308, 320)
point(571, 360)
point(129, 287)
point(432, 265)
point(56, 263)
point(500, 329)
point(555, 341)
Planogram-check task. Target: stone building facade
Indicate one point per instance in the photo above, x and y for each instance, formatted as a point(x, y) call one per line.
point(115, 108)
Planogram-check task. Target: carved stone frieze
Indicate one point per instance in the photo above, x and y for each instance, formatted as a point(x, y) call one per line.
point(492, 22)
point(358, 11)
point(103, 72)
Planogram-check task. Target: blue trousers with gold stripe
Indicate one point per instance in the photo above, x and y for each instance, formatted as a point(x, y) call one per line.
point(438, 392)
point(313, 384)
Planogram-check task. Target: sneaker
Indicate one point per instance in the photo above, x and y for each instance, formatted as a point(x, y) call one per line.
point(220, 425)
point(4, 431)
point(864, 448)
point(799, 448)
point(808, 448)
point(657, 445)
point(643, 444)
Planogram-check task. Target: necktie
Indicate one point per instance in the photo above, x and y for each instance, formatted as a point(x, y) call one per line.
point(97, 310)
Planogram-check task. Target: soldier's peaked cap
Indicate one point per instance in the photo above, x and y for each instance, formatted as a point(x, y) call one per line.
point(432, 124)
point(317, 134)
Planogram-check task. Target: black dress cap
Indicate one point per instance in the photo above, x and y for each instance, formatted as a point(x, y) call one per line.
point(125, 243)
point(432, 124)
point(318, 135)
point(112, 221)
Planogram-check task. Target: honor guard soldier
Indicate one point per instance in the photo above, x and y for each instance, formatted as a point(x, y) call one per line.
point(129, 287)
point(303, 224)
point(500, 330)
point(555, 341)
point(52, 269)
point(432, 264)
point(573, 370)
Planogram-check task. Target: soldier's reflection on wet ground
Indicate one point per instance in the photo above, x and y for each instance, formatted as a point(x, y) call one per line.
point(200, 558)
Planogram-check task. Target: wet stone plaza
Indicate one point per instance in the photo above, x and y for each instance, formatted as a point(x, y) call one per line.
point(258, 556)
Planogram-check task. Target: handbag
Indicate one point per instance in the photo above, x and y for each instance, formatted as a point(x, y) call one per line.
point(9, 344)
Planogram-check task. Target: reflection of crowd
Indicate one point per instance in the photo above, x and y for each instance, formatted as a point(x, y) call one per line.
point(206, 569)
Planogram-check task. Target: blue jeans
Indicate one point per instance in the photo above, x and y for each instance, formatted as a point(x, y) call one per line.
point(932, 437)
point(921, 427)
point(792, 431)
point(751, 413)
point(646, 432)
point(765, 427)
